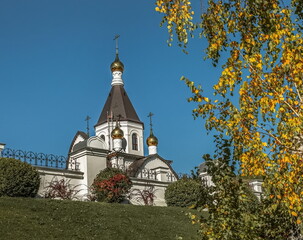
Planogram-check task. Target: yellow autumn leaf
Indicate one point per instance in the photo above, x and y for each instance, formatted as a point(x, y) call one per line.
point(294, 214)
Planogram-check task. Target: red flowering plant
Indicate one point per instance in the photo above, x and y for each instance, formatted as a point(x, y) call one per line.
point(145, 196)
point(111, 185)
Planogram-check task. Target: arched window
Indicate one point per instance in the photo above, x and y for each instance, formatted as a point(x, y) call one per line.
point(103, 137)
point(135, 141)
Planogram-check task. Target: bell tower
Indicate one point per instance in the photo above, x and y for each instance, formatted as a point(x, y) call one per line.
point(119, 107)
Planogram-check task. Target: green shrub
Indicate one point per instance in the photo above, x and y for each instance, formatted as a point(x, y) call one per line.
point(185, 192)
point(18, 179)
point(111, 185)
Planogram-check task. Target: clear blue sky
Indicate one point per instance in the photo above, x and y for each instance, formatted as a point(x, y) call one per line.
point(54, 70)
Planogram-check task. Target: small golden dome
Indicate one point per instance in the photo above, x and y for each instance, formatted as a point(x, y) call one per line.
point(117, 65)
point(152, 140)
point(117, 133)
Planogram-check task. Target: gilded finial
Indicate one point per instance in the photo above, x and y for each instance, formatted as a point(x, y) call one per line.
point(151, 140)
point(117, 65)
point(117, 132)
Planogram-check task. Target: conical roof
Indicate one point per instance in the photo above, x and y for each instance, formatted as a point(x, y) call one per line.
point(118, 104)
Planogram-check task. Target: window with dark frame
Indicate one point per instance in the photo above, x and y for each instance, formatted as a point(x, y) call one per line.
point(135, 141)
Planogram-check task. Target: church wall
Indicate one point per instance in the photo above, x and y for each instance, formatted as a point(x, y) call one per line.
point(143, 184)
point(128, 128)
point(74, 178)
point(94, 165)
point(91, 162)
point(105, 130)
point(78, 180)
point(80, 159)
point(161, 169)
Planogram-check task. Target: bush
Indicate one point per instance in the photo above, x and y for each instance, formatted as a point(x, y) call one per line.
point(111, 185)
point(61, 189)
point(185, 192)
point(18, 179)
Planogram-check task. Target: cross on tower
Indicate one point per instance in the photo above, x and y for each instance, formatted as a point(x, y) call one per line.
point(119, 116)
point(116, 39)
point(150, 120)
point(87, 124)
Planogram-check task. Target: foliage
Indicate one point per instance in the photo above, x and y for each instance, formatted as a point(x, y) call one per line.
point(111, 185)
point(274, 221)
point(33, 218)
point(18, 179)
point(178, 16)
point(147, 195)
point(258, 100)
point(61, 189)
point(186, 192)
point(232, 207)
point(195, 174)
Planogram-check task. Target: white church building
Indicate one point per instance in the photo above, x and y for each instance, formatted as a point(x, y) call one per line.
point(118, 142)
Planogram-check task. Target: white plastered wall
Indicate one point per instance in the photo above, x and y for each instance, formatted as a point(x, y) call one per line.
point(91, 159)
point(74, 178)
point(128, 129)
point(159, 184)
point(143, 184)
point(161, 168)
point(90, 163)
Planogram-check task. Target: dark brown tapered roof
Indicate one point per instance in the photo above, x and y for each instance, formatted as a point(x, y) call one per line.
point(119, 104)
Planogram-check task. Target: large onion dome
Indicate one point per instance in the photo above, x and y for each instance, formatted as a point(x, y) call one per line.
point(117, 132)
point(117, 65)
point(152, 140)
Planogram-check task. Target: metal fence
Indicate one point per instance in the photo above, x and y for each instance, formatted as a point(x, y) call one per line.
point(36, 159)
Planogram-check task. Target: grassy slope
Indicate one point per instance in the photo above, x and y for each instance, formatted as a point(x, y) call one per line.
point(22, 218)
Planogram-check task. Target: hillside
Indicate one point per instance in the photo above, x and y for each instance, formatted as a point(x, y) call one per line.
point(23, 218)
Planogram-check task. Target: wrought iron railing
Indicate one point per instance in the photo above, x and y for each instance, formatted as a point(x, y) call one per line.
point(36, 159)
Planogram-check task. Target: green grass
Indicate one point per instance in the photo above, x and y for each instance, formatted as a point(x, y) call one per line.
point(25, 218)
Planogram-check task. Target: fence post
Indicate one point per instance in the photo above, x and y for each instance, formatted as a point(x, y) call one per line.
point(2, 146)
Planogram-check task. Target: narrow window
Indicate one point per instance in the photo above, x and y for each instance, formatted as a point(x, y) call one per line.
point(135, 141)
point(103, 137)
